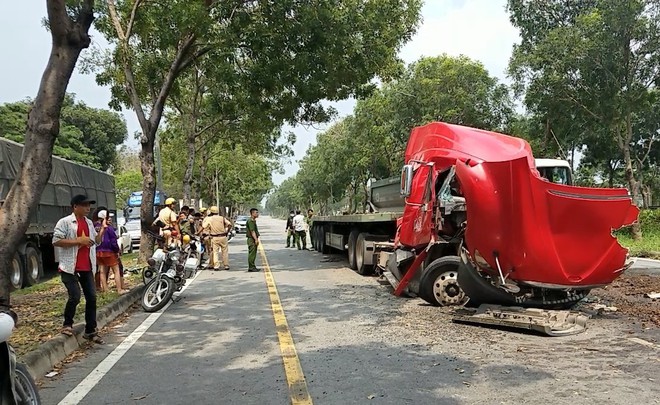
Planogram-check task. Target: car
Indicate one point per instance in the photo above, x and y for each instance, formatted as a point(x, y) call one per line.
point(133, 228)
point(124, 240)
point(241, 223)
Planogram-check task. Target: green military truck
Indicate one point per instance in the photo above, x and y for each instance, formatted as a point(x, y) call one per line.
point(35, 252)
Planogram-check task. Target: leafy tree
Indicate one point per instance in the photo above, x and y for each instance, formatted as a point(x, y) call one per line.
point(87, 135)
point(598, 61)
point(283, 57)
point(68, 24)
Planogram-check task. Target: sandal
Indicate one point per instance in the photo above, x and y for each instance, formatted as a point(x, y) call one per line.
point(93, 337)
point(67, 330)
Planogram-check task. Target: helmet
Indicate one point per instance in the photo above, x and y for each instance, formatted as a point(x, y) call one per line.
point(186, 239)
point(214, 210)
point(203, 209)
point(170, 201)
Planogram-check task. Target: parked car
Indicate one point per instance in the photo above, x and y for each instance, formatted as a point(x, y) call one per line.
point(133, 229)
point(241, 223)
point(124, 240)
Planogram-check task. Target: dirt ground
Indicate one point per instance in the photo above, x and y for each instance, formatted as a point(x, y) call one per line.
point(627, 294)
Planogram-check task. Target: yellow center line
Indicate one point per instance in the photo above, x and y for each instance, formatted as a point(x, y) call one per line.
point(292, 368)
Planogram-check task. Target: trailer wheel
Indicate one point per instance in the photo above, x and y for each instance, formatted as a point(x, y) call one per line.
point(439, 283)
point(16, 272)
point(323, 248)
point(352, 240)
point(361, 268)
point(34, 268)
point(315, 232)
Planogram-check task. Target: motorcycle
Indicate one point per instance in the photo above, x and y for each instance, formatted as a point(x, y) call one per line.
point(16, 383)
point(167, 272)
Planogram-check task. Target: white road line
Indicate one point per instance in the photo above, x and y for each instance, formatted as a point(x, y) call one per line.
point(643, 342)
point(93, 378)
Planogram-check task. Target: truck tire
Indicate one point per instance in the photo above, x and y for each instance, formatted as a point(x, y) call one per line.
point(16, 271)
point(323, 248)
point(438, 284)
point(34, 268)
point(360, 250)
point(352, 240)
point(315, 234)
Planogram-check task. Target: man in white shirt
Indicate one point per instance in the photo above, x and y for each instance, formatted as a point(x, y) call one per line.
point(299, 228)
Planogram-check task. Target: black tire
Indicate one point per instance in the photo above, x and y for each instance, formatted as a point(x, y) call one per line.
point(319, 236)
point(26, 387)
point(325, 249)
point(34, 268)
point(438, 285)
point(352, 240)
point(312, 235)
point(361, 268)
point(130, 247)
point(16, 272)
point(152, 306)
point(481, 291)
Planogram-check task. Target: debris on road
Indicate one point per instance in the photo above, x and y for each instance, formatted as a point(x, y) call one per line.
point(652, 295)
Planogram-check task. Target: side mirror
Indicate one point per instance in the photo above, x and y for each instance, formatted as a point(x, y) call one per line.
point(406, 180)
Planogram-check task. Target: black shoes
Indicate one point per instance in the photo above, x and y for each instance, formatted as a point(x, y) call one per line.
point(253, 270)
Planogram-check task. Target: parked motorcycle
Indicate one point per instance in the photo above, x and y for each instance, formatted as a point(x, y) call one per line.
point(167, 272)
point(16, 383)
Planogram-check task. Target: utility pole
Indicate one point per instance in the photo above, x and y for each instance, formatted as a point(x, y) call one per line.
point(217, 190)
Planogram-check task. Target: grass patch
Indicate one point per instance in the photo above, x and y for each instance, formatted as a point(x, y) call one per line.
point(41, 309)
point(649, 246)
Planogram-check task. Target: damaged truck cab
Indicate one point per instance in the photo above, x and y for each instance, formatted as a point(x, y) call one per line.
point(481, 213)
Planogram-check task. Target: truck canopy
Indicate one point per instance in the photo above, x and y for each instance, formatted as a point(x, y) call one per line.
point(66, 180)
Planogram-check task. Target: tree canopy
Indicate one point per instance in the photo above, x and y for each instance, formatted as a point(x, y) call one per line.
point(370, 143)
point(87, 135)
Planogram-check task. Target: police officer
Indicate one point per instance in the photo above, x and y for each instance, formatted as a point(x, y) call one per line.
point(309, 219)
point(218, 227)
point(290, 236)
point(252, 239)
point(168, 221)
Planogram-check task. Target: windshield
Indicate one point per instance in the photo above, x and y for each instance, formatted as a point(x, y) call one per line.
point(242, 218)
point(557, 174)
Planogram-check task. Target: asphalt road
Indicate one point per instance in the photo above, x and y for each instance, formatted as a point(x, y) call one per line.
point(356, 343)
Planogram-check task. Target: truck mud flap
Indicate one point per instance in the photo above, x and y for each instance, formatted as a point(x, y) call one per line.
point(547, 322)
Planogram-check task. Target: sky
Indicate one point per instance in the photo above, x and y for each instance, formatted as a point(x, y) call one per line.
point(479, 29)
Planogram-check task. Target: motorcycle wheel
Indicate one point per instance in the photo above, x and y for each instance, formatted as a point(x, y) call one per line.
point(157, 293)
point(26, 388)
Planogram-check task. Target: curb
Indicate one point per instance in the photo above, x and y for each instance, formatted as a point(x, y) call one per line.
point(42, 360)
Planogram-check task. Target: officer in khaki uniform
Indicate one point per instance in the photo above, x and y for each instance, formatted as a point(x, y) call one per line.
point(218, 227)
point(170, 220)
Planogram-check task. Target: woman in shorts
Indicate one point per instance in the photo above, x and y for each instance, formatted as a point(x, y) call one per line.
point(107, 253)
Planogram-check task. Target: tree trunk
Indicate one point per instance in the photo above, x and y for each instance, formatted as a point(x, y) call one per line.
point(148, 169)
point(633, 184)
point(69, 38)
point(610, 173)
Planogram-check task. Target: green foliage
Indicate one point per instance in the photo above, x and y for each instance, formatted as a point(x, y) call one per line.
point(87, 135)
point(371, 142)
point(589, 74)
point(125, 183)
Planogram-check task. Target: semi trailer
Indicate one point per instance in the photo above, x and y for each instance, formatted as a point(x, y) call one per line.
point(475, 217)
point(35, 251)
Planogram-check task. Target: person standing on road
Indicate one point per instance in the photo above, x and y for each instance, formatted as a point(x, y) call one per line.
point(299, 227)
point(218, 227)
point(290, 233)
point(75, 241)
point(309, 220)
point(252, 239)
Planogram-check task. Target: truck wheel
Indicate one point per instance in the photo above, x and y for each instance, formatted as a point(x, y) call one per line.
point(34, 268)
point(360, 250)
point(325, 249)
point(315, 240)
point(439, 283)
point(16, 272)
point(352, 240)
